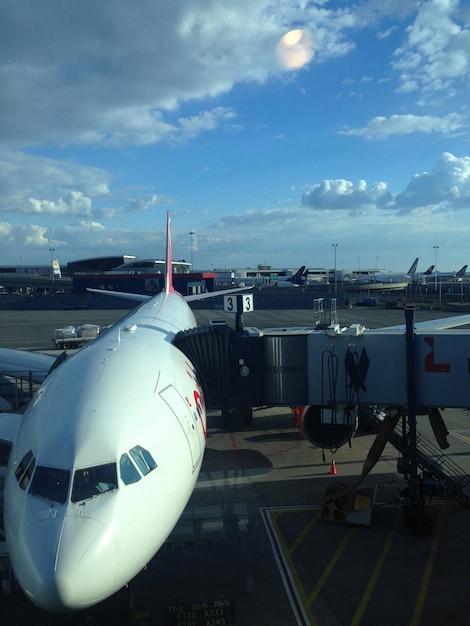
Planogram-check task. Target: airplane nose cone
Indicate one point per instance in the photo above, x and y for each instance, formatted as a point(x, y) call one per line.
point(71, 564)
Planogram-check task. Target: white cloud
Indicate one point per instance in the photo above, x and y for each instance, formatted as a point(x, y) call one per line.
point(342, 194)
point(437, 48)
point(74, 204)
point(204, 121)
point(34, 184)
point(383, 127)
point(445, 188)
point(142, 203)
point(15, 240)
point(101, 74)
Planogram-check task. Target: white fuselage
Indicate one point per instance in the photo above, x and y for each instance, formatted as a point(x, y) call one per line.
point(114, 441)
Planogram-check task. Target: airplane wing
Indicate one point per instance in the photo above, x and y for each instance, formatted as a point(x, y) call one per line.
point(26, 364)
point(21, 364)
point(139, 297)
point(439, 324)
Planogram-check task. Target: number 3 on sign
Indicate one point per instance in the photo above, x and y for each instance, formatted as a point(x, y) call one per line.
point(238, 304)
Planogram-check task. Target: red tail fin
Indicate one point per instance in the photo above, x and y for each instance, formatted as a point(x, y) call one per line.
point(169, 258)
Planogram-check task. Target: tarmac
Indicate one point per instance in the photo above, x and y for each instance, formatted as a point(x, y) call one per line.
point(256, 545)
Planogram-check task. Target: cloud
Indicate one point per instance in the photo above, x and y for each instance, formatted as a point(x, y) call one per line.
point(74, 204)
point(342, 194)
point(82, 239)
point(15, 238)
point(445, 188)
point(204, 121)
point(92, 75)
point(336, 209)
point(142, 203)
point(34, 184)
point(436, 52)
point(383, 127)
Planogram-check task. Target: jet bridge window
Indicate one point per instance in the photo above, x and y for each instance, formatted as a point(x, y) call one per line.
point(143, 459)
point(25, 469)
point(93, 481)
point(51, 483)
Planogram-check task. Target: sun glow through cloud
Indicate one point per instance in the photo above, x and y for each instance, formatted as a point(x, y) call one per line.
point(295, 49)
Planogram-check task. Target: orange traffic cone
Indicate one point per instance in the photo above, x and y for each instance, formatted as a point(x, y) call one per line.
point(333, 468)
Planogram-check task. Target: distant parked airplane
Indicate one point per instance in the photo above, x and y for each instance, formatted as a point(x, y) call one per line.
point(297, 279)
point(452, 275)
point(393, 277)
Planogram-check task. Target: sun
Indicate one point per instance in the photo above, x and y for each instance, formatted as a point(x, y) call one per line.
point(295, 49)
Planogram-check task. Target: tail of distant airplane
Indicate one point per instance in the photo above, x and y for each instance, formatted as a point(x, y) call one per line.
point(461, 271)
point(429, 270)
point(412, 269)
point(296, 279)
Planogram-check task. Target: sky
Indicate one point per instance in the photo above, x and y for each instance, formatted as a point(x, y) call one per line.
point(355, 140)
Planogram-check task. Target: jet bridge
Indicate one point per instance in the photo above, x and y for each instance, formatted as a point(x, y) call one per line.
point(306, 366)
point(328, 374)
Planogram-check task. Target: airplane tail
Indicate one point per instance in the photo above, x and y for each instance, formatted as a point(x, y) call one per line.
point(299, 272)
point(462, 271)
point(429, 270)
point(412, 269)
point(168, 287)
point(169, 257)
point(297, 277)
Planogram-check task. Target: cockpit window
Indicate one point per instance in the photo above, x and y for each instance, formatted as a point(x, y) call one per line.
point(129, 473)
point(25, 469)
point(51, 483)
point(93, 481)
point(143, 459)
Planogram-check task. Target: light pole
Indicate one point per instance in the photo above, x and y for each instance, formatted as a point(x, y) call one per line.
point(335, 245)
point(51, 250)
point(435, 248)
point(191, 234)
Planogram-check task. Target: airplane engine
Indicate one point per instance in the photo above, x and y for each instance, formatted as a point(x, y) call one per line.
point(326, 427)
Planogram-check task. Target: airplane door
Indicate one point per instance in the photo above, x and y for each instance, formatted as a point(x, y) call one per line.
point(188, 422)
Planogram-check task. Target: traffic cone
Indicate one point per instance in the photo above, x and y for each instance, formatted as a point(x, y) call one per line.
point(333, 468)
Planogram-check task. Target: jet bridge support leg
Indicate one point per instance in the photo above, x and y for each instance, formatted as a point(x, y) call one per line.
point(418, 521)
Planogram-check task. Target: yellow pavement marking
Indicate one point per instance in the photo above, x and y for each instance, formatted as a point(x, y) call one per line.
point(305, 532)
point(295, 575)
point(427, 572)
point(329, 568)
point(376, 573)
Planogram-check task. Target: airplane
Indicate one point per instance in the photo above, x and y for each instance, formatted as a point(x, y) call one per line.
point(296, 280)
point(428, 272)
point(391, 277)
point(452, 275)
point(106, 455)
